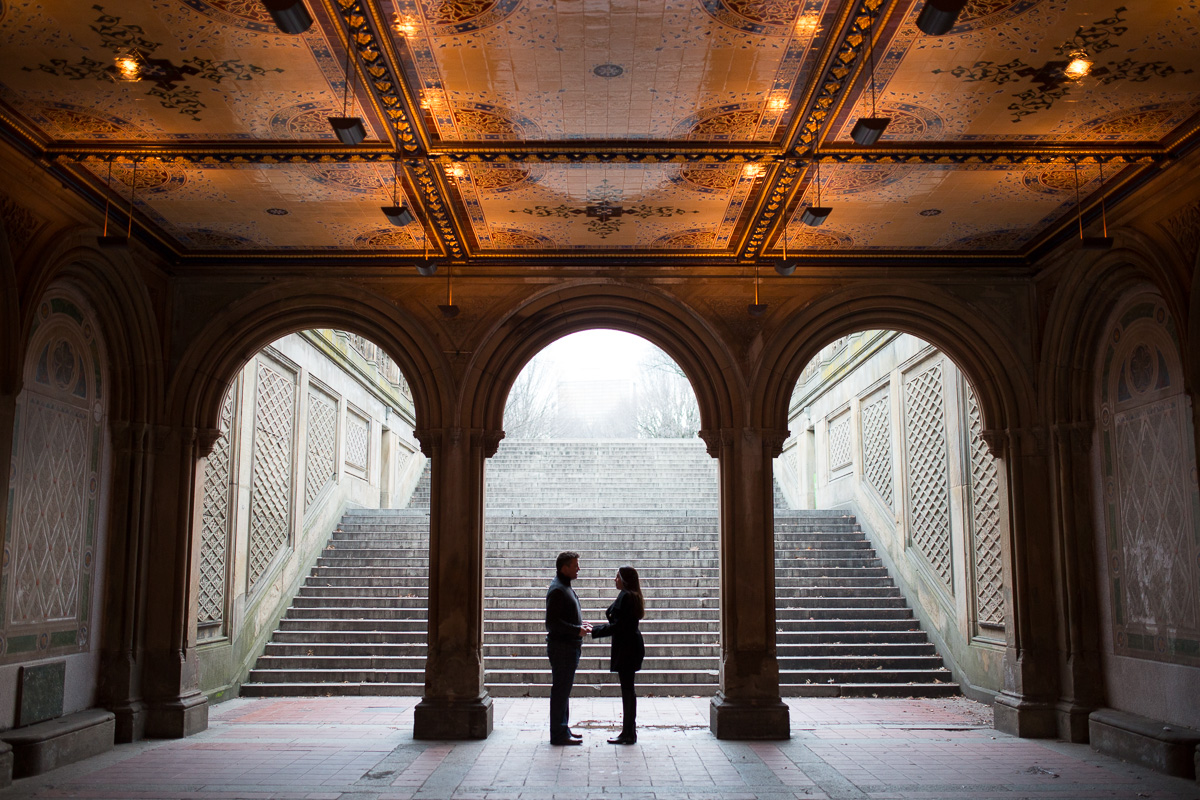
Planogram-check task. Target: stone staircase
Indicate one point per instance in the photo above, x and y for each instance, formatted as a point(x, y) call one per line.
point(358, 624)
point(844, 628)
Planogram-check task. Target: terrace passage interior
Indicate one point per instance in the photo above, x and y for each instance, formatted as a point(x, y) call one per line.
point(743, 185)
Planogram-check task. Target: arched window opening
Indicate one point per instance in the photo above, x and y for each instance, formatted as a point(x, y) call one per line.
point(890, 525)
point(600, 457)
point(315, 449)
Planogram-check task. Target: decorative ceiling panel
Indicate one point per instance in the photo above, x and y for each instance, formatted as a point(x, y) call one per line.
point(934, 208)
point(708, 70)
point(607, 207)
point(213, 70)
point(264, 207)
point(1000, 74)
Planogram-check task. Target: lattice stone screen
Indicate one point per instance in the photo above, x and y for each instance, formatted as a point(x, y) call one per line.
point(271, 478)
point(928, 476)
point(985, 522)
point(358, 433)
point(321, 452)
point(215, 519)
point(877, 447)
point(839, 442)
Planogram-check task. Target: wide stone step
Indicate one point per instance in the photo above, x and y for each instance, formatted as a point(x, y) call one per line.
point(606, 594)
point(819, 676)
point(494, 614)
point(656, 648)
point(850, 636)
point(603, 687)
point(800, 589)
point(849, 615)
point(359, 602)
point(416, 676)
point(829, 663)
point(357, 612)
point(873, 649)
point(505, 641)
point(535, 627)
point(335, 689)
point(645, 678)
point(854, 625)
point(333, 639)
point(599, 662)
point(341, 663)
point(874, 690)
point(368, 587)
point(827, 565)
point(352, 625)
point(839, 602)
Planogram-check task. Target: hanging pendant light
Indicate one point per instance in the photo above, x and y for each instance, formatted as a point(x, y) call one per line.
point(290, 16)
point(939, 16)
point(117, 240)
point(786, 266)
point(756, 308)
point(815, 215)
point(868, 129)
point(1104, 242)
point(427, 266)
point(449, 310)
point(348, 129)
point(396, 214)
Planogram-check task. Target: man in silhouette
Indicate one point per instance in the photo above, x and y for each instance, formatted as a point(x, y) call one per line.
point(564, 642)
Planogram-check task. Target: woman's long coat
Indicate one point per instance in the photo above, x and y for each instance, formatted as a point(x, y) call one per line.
point(628, 647)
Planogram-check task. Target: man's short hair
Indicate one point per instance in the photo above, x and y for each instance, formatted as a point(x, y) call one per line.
point(564, 559)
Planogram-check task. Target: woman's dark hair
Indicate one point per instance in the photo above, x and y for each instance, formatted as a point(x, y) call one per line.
point(633, 585)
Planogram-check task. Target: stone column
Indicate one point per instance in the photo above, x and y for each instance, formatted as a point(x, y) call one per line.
point(1026, 704)
point(747, 704)
point(1081, 682)
point(455, 705)
point(124, 607)
point(175, 705)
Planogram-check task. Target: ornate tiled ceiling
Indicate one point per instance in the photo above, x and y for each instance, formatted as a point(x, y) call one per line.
point(656, 129)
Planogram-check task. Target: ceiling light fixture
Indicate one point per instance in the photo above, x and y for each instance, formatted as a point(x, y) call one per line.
point(786, 266)
point(396, 214)
point(939, 16)
point(128, 66)
point(404, 25)
point(756, 308)
point(1104, 242)
point(349, 130)
point(868, 129)
point(427, 267)
point(1078, 67)
point(815, 215)
point(449, 311)
point(290, 16)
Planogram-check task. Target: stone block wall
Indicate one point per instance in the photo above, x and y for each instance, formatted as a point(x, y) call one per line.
point(313, 425)
point(886, 426)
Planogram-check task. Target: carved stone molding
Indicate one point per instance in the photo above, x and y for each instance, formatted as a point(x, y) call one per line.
point(1002, 442)
point(715, 440)
point(429, 439)
point(1077, 435)
point(489, 441)
point(1184, 228)
point(206, 439)
point(773, 440)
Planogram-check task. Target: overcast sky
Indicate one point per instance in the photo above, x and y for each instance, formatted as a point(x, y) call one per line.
point(596, 355)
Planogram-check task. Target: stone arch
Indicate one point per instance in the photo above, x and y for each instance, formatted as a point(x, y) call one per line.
point(124, 312)
point(231, 339)
point(999, 378)
point(657, 317)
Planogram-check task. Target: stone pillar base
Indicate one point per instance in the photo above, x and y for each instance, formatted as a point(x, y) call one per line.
point(131, 721)
point(1024, 718)
point(748, 719)
point(449, 719)
point(1073, 722)
point(178, 717)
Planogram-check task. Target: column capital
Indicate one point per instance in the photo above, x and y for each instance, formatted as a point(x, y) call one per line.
point(1076, 435)
point(771, 438)
point(1003, 442)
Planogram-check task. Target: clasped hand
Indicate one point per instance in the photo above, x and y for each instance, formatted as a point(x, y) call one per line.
point(585, 628)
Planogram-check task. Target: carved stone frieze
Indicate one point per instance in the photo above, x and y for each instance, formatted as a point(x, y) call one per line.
point(20, 224)
point(1184, 228)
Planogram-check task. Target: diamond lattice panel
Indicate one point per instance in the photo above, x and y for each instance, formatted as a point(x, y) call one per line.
point(839, 442)
point(50, 523)
point(271, 480)
point(877, 447)
point(320, 460)
point(985, 521)
point(928, 478)
point(358, 432)
point(1160, 586)
point(214, 542)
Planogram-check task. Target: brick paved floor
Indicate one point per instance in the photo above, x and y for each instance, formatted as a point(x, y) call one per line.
point(362, 749)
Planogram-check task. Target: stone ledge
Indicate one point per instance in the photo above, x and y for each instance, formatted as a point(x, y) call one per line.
point(1162, 747)
point(48, 745)
point(6, 764)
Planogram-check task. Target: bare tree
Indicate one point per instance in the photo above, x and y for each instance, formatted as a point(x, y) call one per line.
point(531, 411)
point(667, 407)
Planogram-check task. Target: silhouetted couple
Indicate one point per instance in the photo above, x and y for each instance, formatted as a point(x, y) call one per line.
point(565, 630)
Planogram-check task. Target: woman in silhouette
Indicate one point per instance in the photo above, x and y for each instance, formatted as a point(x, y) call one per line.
point(628, 648)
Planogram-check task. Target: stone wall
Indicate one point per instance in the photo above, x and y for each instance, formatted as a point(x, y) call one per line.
point(888, 427)
point(316, 423)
